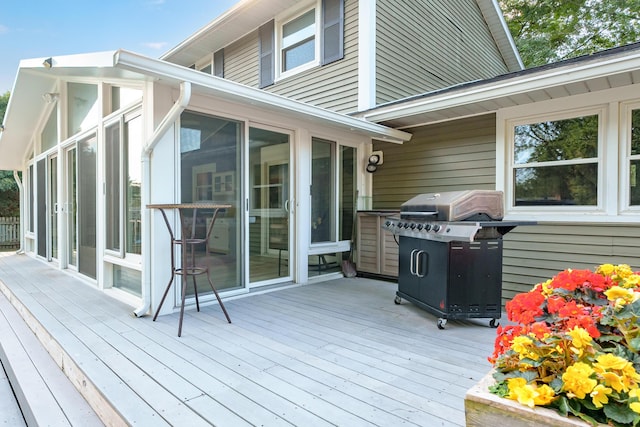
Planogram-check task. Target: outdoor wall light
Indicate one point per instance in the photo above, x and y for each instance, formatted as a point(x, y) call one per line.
point(47, 63)
point(375, 160)
point(50, 97)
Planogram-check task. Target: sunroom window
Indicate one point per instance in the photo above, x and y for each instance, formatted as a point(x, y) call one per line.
point(555, 162)
point(298, 44)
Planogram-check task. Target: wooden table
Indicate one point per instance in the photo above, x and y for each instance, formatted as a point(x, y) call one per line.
point(187, 241)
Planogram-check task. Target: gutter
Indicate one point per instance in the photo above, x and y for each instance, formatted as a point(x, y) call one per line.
point(169, 120)
point(22, 209)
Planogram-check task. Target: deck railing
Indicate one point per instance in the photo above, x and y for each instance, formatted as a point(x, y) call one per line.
point(9, 232)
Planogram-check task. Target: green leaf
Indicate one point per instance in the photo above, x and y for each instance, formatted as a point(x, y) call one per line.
point(619, 412)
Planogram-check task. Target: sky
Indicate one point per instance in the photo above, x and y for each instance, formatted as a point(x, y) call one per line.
point(38, 28)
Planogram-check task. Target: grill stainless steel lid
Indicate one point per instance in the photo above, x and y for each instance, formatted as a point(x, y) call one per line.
point(468, 205)
point(462, 216)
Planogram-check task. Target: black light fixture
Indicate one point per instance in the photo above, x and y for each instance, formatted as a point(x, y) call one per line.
point(375, 160)
point(47, 63)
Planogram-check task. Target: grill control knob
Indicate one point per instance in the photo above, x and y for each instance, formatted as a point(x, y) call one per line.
point(400, 225)
point(420, 227)
point(436, 228)
point(413, 226)
point(388, 223)
point(427, 227)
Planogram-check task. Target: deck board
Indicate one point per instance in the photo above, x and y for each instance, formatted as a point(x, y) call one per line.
point(332, 353)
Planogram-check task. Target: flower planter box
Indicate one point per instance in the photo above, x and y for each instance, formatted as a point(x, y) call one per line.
point(483, 408)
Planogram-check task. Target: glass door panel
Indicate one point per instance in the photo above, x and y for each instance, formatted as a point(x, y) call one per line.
point(53, 207)
point(210, 167)
point(87, 165)
point(269, 205)
point(41, 207)
point(71, 208)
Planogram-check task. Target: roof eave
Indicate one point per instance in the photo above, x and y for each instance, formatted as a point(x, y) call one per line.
point(518, 84)
point(33, 79)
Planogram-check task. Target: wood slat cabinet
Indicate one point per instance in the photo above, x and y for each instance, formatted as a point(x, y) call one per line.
point(376, 249)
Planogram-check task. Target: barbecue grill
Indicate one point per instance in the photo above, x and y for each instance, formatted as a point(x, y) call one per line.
point(450, 253)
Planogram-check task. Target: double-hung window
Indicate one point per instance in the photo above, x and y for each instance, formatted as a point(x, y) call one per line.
point(298, 42)
point(556, 162)
point(571, 165)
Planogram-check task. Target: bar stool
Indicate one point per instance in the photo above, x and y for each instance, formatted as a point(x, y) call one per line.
point(187, 242)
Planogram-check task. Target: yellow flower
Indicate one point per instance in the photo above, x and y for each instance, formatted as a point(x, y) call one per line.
point(577, 380)
point(632, 281)
point(526, 395)
point(606, 269)
point(521, 345)
point(608, 362)
point(600, 395)
point(545, 395)
point(580, 337)
point(635, 406)
point(614, 380)
point(617, 292)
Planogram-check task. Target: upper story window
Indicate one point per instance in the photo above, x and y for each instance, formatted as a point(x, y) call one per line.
point(291, 44)
point(298, 43)
point(556, 162)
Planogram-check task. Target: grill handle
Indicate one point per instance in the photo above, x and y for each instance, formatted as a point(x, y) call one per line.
point(418, 256)
point(418, 213)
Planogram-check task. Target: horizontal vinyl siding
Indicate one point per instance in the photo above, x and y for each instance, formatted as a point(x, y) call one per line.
point(448, 156)
point(533, 254)
point(241, 63)
point(424, 45)
point(333, 86)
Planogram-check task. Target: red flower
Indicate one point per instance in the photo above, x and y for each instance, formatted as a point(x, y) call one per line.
point(524, 308)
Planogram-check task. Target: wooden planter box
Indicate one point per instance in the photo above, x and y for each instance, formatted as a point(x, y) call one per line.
point(483, 408)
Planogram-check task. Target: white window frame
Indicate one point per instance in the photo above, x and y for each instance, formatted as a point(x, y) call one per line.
point(283, 20)
point(203, 63)
point(121, 256)
point(614, 108)
point(626, 108)
point(512, 124)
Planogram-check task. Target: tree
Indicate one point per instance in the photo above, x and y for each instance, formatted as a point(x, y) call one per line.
point(547, 31)
point(9, 194)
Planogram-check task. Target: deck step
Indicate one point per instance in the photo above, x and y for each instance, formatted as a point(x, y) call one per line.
point(45, 395)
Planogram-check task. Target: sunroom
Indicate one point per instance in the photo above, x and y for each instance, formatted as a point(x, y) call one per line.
point(98, 137)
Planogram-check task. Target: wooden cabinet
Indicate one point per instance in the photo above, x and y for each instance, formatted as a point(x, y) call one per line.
point(376, 249)
point(220, 238)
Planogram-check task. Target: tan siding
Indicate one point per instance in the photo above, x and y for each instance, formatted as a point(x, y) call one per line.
point(333, 86)
point(443, 157)
point(241, 61)
point(450, 44)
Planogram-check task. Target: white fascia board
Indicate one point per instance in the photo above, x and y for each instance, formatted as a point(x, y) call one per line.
point(241, 93)
point(511, 86)
point(507, 34)
point(366, 55)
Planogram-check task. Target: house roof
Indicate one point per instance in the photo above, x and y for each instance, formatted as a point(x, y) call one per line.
point(26, 105)
point(247, 15)
point(604, 70)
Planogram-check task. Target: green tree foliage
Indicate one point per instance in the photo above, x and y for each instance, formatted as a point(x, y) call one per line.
point(547, 31)
point(9, 195)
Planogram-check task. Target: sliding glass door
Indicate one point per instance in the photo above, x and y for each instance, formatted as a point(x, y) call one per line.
point(269, 205)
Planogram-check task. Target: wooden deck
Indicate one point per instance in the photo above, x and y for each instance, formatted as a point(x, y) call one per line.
point(334, 353)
